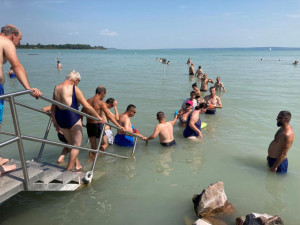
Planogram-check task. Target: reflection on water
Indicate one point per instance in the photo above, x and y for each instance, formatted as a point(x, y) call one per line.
point(274, 184)
point(163, 160)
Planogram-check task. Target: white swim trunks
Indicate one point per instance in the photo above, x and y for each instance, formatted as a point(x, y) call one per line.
point(110, 136)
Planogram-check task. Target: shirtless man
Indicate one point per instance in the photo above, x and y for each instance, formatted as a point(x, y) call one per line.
point(164, 129)
point(219, 85)
point(213, 101)
point(122, 139)
point(10, 37)
point(204, 82)
point(279, 147)
point(110, 103)
point(93, 127)
point(189, 61)
point(58, 65)
point(191, 69)
point(199, 72)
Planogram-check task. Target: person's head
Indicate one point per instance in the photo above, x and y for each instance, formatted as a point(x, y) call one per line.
point(131, 110)
point(212, 90)
point(202, 107)
point(283, 117)
point(199, 67)
point(194, 85)
point(189, 105)
point(110, 102)
point(12, 33)
point(160, 116)
point(205, 75)
point(218, 79)
point(192, 64)
point(192, 94)
point(101, 91)
point(74, 76)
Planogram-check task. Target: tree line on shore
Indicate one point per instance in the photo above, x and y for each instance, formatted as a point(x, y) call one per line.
point(64, 46)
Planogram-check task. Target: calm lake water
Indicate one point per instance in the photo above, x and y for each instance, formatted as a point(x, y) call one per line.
point(158, 185)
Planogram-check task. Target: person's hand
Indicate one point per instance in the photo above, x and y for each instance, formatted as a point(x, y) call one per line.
point(115, 103)
point(101, 120)
point(36, 92)
point(122, 129)
point(273, 170)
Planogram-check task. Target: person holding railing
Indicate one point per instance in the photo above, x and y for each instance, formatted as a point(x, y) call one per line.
point(67, 121)
point(122, 139)
point(94, 128)
point(10, 37)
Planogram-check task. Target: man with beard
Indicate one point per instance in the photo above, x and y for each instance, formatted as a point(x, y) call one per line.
point(279, 147)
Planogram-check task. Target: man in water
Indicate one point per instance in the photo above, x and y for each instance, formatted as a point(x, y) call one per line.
point(10, 37)
point(279, 147)
point(58, 65)
point(164, 129)
point(110, 103)
point(204, 82)
point(122, 139)
point(219, 85)
point(199, 72)
point(213, 101)
point(93, 127)
point(191, 69)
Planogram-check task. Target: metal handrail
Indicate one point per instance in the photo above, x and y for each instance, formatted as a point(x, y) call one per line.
point(18, 137)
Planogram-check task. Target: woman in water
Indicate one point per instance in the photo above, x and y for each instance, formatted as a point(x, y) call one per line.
point(11, 73)
point(67, 121)
point(184, 112)
point(193, 126)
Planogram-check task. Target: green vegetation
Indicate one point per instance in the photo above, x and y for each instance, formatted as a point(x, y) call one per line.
point(65, 46)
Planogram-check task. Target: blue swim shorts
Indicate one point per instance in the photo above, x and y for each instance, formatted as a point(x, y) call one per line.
point(124, 140)
point(282, 168)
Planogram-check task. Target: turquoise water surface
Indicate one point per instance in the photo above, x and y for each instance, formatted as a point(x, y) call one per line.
point(158, 185)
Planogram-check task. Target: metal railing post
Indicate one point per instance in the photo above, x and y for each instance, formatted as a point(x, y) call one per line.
point(133, 150)
point(20, 143)
point(45, 137)
point(98, 148)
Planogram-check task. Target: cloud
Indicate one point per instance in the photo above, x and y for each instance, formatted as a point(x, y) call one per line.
point(107, 32)
point(74, 33)
point(293, 16)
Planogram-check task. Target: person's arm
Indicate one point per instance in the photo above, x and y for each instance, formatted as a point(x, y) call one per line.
point(222, 86)
point(116, 110)
point(155, 133)
point(219, 103)
point(110, 116)
point(288, 140)
point(175, 120)
point(210, 80)
point(86, 105)
point(53, 109)
point(11, 55)
point(192, 125)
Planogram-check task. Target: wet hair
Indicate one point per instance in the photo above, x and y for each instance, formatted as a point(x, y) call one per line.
point(9, 29)
point(192, 93)
point(160, 116)
point(286, 114)
point(110, 101)
point(73, 75)
point(202, 105)
point(100, 89)
point(194, 84)
point(212, 87)
point(130, 107)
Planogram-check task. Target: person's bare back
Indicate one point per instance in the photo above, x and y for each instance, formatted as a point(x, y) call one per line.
point(165, 132)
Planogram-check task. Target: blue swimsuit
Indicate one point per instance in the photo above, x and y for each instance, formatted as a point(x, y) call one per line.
point(66, 118)
point(188, 131)
point(1, 103)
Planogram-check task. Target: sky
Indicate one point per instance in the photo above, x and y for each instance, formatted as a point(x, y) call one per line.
point(156, 24)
